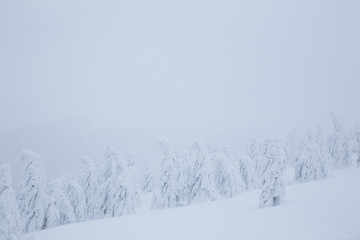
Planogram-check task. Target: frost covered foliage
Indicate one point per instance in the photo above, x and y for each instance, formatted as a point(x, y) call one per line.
point(202, 186)
point(9, 215)
point(167, 193)
point(37, 208)
point(228, 180)
point(247, 172)
point(77, 199)
point(272, 176)
point(312, 163)
point(148, 180)
point(66, 211)
point(293, 148)
point(119, 195)
point(339, 148)
point(357, 145)
point(91, 188)
point(133, 176)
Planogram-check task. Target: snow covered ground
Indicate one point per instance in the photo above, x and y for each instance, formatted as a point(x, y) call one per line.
point(327, 209)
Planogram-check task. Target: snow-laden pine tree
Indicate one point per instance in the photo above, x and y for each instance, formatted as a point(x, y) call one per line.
point(76, 197)
point(229, 182)
point(91, 188)
point(247, 171)
point(148, 183)
point(133, 175)
point(119, 195)
point(344, 157)
point(357, 144)
point(311, 165)
point(334, 142)
point(37, 208)
point(9, 214)
point(66, 211)
point(167, 193)
point(273, 167)
point(293, 147)
point(202, 187)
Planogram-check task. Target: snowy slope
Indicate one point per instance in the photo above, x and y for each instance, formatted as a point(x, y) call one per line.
point(327, 209)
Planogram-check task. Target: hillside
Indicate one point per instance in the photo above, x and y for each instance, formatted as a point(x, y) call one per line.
point(327, 209)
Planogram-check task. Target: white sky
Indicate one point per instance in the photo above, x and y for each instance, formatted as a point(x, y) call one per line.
point(224, 66)
point(234, 63)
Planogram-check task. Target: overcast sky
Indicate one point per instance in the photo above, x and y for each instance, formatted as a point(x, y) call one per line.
point(243, 64)
point(77, 76)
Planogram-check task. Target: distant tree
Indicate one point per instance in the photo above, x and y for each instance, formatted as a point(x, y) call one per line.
point(202, 183)
point(37, 208)
point(312, 162)
point(76, 196)
point(91, 188)
point(273, 168)
point(133, 175)
point(357, 144)
point(344, 158)
point(293, 147)
point(119, 195)
point(9, 214)
point(167, 193)
point(334, 142)
point(247, 171)
point(66, 211)
point(227, 177)
point(148, 182)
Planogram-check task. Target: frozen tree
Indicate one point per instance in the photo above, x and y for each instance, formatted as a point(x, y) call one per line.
point(66, 211)
point(357, 144)
point(36, 206)
point(273, 168)
point(91, 188)
point(247, 171)
point(312, 162)
point(119, 195)
point(133, 176)
point(202, 184)
point(228, 180)
point(344, 157)
point(76, 196)
point(167, 194)
point(9, 214)
point(293, 147)
point(148, 185)
point(334, 143)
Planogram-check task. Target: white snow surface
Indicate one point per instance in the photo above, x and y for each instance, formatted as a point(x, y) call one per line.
point(325, 209)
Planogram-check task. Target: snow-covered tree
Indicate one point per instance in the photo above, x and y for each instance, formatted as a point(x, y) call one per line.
point(202, 184)
point(272, 175)
point(133, 176)
point(228, 180)
point(293, 147)
point(167, 193)
point(91, 188)
point(119, 195)
point(312, 162)
point(66, 211)
point(334, 142)
point(247, 171)
point(37, 208)
point(9, 214)
point(148, 182)
point(357, 144)
point(76, 197)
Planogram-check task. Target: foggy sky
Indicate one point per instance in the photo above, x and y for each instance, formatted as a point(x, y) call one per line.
point(240, 64)
point(77, 76)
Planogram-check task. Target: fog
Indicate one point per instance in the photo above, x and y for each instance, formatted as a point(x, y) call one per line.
point(127, 72)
